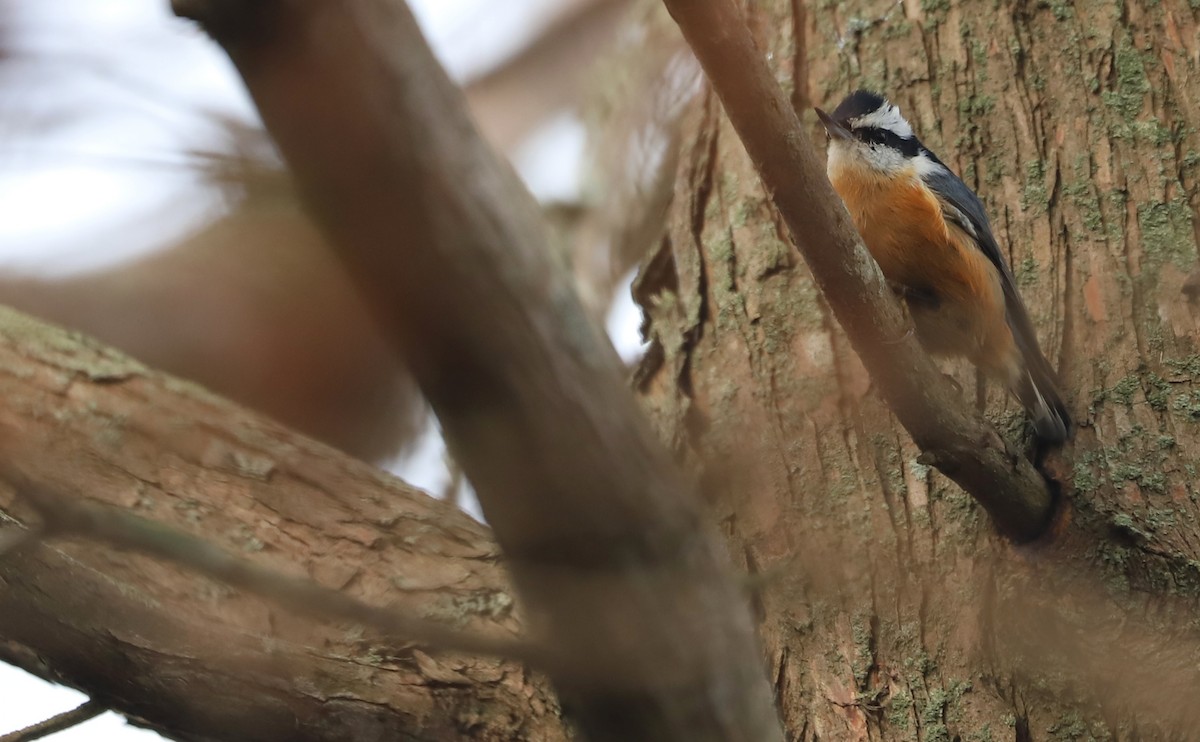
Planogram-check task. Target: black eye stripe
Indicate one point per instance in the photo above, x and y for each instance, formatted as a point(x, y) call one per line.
point(907, 146)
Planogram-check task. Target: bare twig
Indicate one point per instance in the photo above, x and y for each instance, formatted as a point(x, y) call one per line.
point(605, 540)
point(66, 516)
point(955, 440)
point(60, 722)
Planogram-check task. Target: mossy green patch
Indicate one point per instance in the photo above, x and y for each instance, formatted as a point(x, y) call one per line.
point(969, 173)
point(980, 59)
point(1062, 11)
point(1073, 727)
point(1124, 390)
point(1080, 193)
point(1157, 391)
point(1027, 272)
point(1085, 478)
point(860, 664)
point(1034, 196)
point(1148, 478)
point(1139, 456)
point(897, 29)
point(993, 169)
point(983, 734)
point(1186, 366)
point(1131, 86)
point(942, 707)
point(899, 709)
point(1167, 233)
point(976, 105)
point(1187, 406)
point(1153, 132)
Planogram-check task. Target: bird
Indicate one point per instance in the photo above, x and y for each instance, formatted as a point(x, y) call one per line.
point(930, 234)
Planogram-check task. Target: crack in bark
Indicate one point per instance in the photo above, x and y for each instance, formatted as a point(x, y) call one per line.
point(1130, 256)
point(889, 497)
point(701, 185)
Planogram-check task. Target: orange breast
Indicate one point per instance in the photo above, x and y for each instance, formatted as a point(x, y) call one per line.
point(902, 225)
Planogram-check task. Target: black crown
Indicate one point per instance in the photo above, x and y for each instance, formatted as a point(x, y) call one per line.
point(858, 103)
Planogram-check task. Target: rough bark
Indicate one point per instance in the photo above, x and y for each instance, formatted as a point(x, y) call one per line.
point(890, 607)
point(953, 439)
point(198, 661)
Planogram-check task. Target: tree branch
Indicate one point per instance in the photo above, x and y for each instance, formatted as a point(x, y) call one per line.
point(65, 516)
point(606, 543)
point(954, 439)
point(60, 722)
point(194, 659)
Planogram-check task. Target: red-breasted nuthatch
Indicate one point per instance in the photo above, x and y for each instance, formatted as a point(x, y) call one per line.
point(930, 235)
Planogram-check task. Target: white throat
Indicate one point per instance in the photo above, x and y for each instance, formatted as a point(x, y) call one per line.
point(882, 159)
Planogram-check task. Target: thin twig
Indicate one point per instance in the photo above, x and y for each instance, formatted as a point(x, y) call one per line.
point(63, 515)
point(76, 716)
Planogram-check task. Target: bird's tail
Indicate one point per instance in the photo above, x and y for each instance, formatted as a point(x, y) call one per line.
point(1038, 391)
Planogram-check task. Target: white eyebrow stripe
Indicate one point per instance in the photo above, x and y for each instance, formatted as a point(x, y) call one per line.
point(887, 117)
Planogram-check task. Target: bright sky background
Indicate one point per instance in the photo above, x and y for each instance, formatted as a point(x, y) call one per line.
point(150, 74)
point(77, 194)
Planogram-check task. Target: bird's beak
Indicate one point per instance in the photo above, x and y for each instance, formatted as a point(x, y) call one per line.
point(833, 128)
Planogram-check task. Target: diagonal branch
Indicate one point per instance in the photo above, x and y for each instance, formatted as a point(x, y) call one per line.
point(59, 722)
point(955, 440)
point(193, 659)
point(65, 516)
point(607, 544)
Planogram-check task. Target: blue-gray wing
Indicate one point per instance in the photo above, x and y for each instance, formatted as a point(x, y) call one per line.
point(961, 207)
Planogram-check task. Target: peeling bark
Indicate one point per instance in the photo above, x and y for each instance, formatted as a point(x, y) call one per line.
point(890, 608)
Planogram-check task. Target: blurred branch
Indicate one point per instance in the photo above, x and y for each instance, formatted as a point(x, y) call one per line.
point(641, 88)
point(608, 546)
point(58, 723)
point(65, 516)
point(546, 77)
point(955, 440)
point(254, 307)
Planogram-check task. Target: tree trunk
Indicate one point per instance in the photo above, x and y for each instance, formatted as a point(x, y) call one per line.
point(889, 606)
